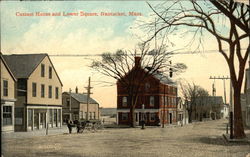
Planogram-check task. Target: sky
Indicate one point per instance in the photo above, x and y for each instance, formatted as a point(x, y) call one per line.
point(92, 35)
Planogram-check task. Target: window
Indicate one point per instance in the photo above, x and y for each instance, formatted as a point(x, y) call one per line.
point(57, 91)
point(90, 115)
point(59, 116)
point(50, 116)
point(50, 91)
point(151, 101)
point(42, 70)
point(55, 117)
point(42, 90)
point(174, 101)
point(7, 115)
point(166, 100)
point(34, 89)
point(152, 116)
point(5, 88)
point(30, 117)
point(50, 72)
point(94, 114)
point(68, 102)
point(147, 86)
point(81, 115)
point(124, 116)
point(124, 101)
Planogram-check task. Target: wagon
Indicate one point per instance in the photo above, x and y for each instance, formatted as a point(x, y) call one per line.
point(89, 125)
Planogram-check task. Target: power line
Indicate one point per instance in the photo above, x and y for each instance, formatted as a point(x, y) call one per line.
point(96, 55)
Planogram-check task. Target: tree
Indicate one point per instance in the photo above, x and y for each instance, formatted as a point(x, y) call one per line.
point(131, 74)
point(202, 17)
point(202, 95)
point(191, 93)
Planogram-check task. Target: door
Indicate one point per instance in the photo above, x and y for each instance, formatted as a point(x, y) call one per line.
point(170, 118)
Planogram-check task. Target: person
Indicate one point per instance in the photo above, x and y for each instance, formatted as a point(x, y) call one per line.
point(69, 125)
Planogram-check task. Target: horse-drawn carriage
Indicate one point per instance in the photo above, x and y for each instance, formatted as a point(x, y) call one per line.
point(81, 125)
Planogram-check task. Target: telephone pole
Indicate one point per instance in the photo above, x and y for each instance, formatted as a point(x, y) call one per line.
point(220, 78)
point(88, 97)
point(230, 107)
point(70, 113)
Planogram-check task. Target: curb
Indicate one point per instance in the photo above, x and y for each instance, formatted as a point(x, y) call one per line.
point(227, 138)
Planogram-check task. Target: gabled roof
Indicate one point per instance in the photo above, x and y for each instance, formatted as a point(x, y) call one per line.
point(82, 98)
point(23, 65)
point(7, 67)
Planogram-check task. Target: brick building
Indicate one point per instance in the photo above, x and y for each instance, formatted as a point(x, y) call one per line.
point(156, 92)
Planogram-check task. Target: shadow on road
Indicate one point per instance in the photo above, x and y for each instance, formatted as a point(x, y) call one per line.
point(219, 140)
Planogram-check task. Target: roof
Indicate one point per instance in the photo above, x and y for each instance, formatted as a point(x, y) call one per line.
point(82, 98)
point(7, 67)
point(164, 79)
point(23, 65)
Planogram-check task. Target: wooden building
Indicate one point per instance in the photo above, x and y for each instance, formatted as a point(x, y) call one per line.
point(39, 101)
point(7, 87)
point(156, 93)
point(209, 107)
point(75, 107)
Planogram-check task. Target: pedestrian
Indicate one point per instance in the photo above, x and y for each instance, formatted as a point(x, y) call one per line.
point(69, 125)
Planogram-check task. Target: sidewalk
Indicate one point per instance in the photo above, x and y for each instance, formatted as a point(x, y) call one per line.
point(35, 133)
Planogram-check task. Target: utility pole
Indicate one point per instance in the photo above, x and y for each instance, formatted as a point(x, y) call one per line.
point(231, 103)
point(70, 113)
point(88, 97)
point(221, 78)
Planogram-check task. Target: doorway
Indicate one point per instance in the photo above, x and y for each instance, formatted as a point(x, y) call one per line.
point(170, 118)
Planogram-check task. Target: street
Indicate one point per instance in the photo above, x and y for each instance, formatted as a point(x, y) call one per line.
point(202, 139)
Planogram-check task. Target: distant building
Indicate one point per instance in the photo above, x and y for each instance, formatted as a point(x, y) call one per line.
point(157, 91)
point(75, 107)
point(225, 111)
point(182, 113)
point(7, 87)
point(39, 102)
point(207, 108)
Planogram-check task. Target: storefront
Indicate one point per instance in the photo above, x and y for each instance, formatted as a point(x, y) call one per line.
point(39, 117)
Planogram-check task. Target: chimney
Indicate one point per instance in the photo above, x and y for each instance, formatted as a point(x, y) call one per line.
point(76, 90)
point(137, 61)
